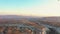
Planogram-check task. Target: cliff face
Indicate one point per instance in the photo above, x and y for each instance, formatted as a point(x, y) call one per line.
point(51, 22)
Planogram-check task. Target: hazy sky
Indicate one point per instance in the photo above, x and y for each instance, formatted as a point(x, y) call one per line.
point(30, 7)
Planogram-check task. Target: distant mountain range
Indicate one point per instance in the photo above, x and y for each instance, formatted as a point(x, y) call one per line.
point(46, 20)
point(51, 19)
point(15, 18)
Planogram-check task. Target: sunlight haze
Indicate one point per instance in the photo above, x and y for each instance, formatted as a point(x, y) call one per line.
point(30, 7)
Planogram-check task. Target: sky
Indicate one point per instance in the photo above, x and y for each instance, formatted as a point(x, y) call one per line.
point(30, 7)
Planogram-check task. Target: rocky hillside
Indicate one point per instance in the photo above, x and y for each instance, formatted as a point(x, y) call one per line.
point(52, 23)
